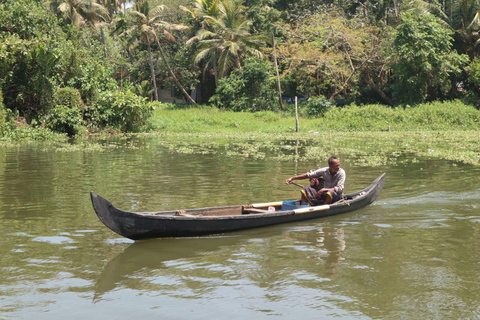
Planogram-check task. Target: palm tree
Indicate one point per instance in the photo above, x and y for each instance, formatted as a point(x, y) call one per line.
point(225, 39)
point(148, 21)
point(465, 20)
point(80, 12)
point(112, 6)
point(462, 16)
point(204, 8)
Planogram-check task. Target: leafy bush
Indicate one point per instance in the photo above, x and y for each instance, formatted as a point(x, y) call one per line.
point(472, 85)
point(120, 110)
point(66, 114)
point(452, 115)
point(317, 106)
point(423, 59)
point(64, 119)
point(29, 55)
point(28, 133)
point(69, 97)
point(248, 89)
point(360, 118)
point(473, 70)
point(445, 116)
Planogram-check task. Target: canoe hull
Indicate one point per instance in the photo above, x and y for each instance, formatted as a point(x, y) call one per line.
point(139, 226)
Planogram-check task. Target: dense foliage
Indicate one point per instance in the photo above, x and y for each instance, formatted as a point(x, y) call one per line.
point(249, 88)
point(424, 60)
point(72, 66)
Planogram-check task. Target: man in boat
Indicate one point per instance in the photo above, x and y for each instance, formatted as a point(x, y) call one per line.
point(333, 183)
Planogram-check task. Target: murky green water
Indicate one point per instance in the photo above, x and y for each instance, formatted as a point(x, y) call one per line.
point(413, 254)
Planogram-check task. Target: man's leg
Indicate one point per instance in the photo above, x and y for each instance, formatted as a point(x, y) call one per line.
point(328, 197)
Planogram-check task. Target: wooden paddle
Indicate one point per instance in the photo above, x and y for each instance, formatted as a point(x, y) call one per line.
point(298, 185)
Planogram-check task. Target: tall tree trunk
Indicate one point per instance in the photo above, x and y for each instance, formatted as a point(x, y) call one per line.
point(189, 98)
point(215, 71)
point(104, 41)
point(379, 91)
point(279, 88)
point(152, 71)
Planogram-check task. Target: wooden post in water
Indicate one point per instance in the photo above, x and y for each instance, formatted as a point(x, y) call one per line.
point(297, 129)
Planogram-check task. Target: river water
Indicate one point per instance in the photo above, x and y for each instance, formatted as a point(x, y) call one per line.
point(413, 254)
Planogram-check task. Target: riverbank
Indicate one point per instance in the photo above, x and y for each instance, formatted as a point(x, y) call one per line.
point(369, 136)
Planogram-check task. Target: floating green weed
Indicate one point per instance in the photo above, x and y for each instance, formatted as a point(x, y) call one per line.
point(361, 148)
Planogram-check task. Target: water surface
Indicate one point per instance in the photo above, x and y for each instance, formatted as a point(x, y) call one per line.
point(412, 254)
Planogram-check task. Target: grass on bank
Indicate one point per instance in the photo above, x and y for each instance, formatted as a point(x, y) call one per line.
point(453, 115)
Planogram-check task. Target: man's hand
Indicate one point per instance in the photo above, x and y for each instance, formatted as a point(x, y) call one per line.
point(320, 192)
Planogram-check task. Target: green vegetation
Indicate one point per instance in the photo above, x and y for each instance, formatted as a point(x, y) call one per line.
point(120, 110)
point(372, 135)
point(71, 68)
point(445, 116)
point(247, 89)
point(425, 73)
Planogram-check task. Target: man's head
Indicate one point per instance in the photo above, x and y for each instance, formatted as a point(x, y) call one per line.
point(334, 164)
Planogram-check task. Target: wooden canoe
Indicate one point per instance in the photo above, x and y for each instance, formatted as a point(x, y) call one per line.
point(215, 220)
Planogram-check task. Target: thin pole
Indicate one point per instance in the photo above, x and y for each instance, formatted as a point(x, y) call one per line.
point(297, 129)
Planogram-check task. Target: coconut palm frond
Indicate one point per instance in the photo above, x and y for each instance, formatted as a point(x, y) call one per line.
point(157, 10)
point(204, 55)
point(185, 9)
point(204, 34)
point(422, 7)
point(191, 40)
point(228, 33)
point(256, 53)
point(169, 36)
point(64, 7)
point(139, 16)
point(475, 24)
point(234, 48)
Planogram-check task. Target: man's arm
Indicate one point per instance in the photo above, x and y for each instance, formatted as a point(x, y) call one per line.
point(299, 177)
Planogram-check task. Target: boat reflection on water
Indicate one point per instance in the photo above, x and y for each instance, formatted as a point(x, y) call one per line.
point(273, 254)
point(325, 241)
point(153, 254)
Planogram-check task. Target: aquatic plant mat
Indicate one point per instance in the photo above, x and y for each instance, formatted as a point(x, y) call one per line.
point(361, 148)
point(364, 148)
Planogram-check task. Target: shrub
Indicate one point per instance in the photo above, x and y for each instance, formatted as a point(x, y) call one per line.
point(317, 106)
point(64, 120)
point(251, 88)
point(120, 110)
point(423, 59)
point(66, 113)
point(69, 97)
point(452, 115)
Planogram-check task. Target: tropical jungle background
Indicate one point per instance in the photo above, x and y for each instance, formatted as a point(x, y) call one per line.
point(76, 66)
